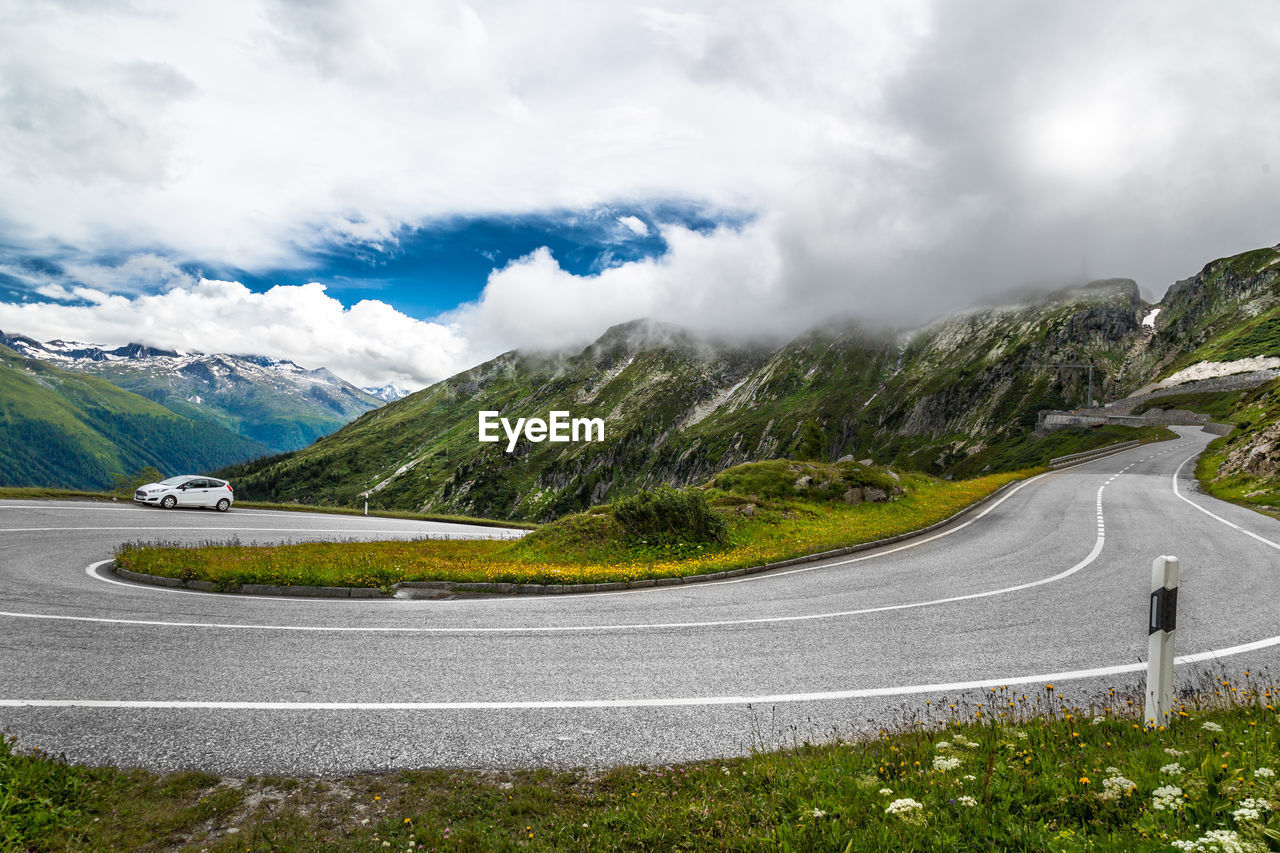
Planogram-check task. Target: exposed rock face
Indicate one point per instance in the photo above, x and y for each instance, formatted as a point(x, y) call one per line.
point(1258, 457)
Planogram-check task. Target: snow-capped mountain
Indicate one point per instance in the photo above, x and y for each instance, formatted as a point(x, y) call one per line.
point(388, 393)
point(273, 401)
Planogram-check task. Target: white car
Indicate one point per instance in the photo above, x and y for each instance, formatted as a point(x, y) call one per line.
point(187, 490)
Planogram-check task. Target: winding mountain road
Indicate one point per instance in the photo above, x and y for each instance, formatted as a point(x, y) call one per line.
point(1048, 584)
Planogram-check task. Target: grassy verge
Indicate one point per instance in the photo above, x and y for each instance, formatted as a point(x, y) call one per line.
point(1027, 451)
point(1255, 414)
point(592, 547)
point(1222, 406)
point(1239, 489)
point(1017, 772)
point(38, 493)
point(390, 513)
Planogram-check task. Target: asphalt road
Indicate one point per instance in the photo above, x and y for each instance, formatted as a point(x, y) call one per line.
point(1049, 585)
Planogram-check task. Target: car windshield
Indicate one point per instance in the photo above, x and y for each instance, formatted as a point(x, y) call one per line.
point(174, 481)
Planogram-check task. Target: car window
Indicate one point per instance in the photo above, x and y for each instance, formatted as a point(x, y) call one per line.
point(196, 484)
point(173, 481)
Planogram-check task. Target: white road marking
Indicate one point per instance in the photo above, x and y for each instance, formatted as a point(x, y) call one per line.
point(917, 542)
point(680, 701)
point(1230, 524)
point(297, 531)
point(542, 629)
point(1093, 555)
point(92, 571)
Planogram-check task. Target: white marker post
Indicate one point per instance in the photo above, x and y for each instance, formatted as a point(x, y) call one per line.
point(1164, 619)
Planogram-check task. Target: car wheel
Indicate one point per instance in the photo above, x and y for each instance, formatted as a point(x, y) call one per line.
point(224, 505)
point(169, 502)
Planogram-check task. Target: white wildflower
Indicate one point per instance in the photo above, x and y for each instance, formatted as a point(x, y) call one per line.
point(1264, 773)
point(1176, 753)
point(1172, 769)
point(967, 801)
point(1116, 786)
point(1251, 809)
point(1211, 727)
point(817, 813)
point(942, 763)
point(942, 744)
point(1217, 841)
point(969, 777)
point(1113, 771)
point(1097, 721)
point(1166, 798)
point(886, 791)
point(904, 806)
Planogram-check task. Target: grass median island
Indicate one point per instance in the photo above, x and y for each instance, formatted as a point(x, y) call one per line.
point(764, 512)
point(1020, 771)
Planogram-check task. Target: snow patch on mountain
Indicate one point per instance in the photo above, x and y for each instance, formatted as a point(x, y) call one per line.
point(388, 393)
point(1213, 369)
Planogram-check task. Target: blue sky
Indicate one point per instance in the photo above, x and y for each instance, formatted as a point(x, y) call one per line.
point(423, 270)
point(399, 191)
point(427, 270)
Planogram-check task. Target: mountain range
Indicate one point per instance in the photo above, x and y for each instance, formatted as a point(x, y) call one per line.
point(951, 398)
point(272, 402)
point(67, 429)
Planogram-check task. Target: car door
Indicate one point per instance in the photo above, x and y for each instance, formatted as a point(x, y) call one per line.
point(196, 493)
point(208, 493)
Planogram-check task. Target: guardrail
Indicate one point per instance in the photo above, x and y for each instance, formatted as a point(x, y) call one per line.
point(1090, 454)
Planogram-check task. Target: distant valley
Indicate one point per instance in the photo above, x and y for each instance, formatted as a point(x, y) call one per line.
point(273, 402)
point(75, 413)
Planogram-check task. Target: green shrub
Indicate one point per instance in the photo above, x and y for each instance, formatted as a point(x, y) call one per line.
point(670, 514)
point(786, 480)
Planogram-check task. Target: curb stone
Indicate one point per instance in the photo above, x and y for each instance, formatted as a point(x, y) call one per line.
point(474, 589)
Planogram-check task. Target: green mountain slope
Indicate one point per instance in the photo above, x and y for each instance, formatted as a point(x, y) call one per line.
point(678, 409)
point(277, 404)
point(63, 429)
point(960, 396)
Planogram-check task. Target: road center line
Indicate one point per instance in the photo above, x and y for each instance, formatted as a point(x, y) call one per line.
point(685, 701)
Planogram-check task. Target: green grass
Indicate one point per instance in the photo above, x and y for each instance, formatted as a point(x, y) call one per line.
point(1257, 337)
point(389, 513)
point(40, 493)
point(1020, 771)
point(1029, 450)
point(1255, 414)
point(1240, 489)
point(1222, 406)
point(592, 547)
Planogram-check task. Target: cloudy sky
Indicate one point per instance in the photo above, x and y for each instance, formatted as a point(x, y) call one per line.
point(398, 190)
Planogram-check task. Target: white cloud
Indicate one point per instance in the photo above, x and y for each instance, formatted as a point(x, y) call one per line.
point(243, 133)
point(899, 160)
point(369, 343)
point(634, 224)
point(55, 291)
